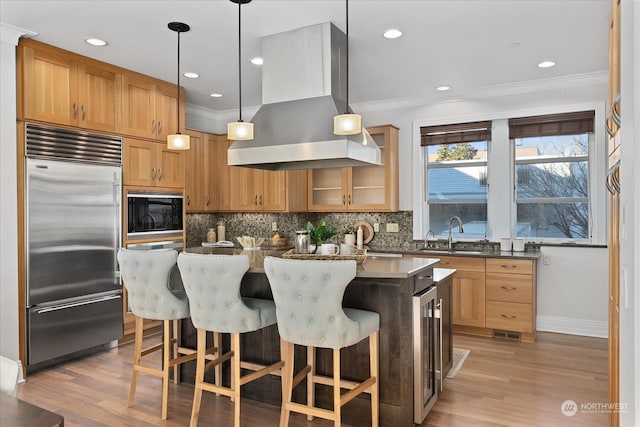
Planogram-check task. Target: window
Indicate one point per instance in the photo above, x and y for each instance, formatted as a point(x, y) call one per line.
point(456, 174)
point(552, 175)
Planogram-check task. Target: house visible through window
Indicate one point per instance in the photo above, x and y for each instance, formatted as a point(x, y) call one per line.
point(552, 175)
point(456, 174)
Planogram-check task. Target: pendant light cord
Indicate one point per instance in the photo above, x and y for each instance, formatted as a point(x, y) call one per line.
point(178, 131)
point(347, 45)
point(239, 62)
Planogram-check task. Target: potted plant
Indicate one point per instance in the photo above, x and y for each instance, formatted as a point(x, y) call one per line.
point(320, 233)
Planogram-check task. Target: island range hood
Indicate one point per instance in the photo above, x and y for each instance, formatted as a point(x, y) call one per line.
point(303, 88)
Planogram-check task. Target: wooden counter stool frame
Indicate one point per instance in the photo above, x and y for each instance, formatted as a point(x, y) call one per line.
point(308, 297)
point(146, 275)
point(212, 283)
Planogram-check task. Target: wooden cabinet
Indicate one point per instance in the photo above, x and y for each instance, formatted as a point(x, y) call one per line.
point(151, 164)
point(149, 107)
point(363, 188)
point(510, 292)
point(61, 88)
point(268, 191)
point(223, 173)
point(201, 179)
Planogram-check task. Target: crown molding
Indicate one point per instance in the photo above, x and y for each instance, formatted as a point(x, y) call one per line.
point(11, 34)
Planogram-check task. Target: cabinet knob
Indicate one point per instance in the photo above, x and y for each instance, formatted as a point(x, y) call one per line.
point(207, 203)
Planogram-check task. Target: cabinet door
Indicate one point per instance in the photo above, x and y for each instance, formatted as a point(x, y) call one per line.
point(138, 107)
point(327, 190)
point(245, 188)
point(139, 162)
point(273, 196)
point(100, 98)
point(50, 86)
point(167, 111)
point(223, 175)
point(469, 298)
point(171, 167)
point(195, 187)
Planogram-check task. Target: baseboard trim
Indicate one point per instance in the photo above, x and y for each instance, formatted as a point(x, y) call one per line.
point(567, 325)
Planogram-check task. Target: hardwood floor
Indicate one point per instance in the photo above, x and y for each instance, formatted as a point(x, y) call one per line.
point(502, 383)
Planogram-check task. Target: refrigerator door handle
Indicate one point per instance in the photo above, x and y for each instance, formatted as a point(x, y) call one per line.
point(78, 304)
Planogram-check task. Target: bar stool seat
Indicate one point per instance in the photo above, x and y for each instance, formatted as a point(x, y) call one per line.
point(212, 283)
point(308, 297)
point(146, 278)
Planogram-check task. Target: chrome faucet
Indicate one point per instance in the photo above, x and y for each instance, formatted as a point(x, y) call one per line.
point(426, 239)
point(460, 230)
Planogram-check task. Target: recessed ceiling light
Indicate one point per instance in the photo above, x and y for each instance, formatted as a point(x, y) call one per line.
point(191, 75)
point(392, 34)
point(257, 61)
point(443, 88)
point(546, 64)
point(96, 42)
point(216, 95)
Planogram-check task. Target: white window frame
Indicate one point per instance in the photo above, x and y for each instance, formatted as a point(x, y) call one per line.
point(501, 203)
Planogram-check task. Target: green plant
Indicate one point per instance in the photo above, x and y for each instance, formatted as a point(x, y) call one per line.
point(321, 233)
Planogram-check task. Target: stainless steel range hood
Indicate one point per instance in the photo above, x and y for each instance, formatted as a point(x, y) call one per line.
point(303, 87)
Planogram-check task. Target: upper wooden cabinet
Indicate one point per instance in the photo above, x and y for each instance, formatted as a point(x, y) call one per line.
point(363, 188)
point(268, 191)
point(62, 88)
point(151, 164)
point(202, 184)
point(149, 108)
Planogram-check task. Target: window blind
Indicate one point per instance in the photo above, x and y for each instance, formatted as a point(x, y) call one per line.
point(552, 124)
point(455, 133)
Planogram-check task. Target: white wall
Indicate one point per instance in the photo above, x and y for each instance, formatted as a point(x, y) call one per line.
point(630, 214)
point(8, 194)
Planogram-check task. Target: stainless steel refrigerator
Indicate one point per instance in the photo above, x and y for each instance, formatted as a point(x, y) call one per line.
point(73, 215)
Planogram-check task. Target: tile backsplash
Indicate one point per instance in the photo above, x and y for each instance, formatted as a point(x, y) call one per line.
point(259, 225)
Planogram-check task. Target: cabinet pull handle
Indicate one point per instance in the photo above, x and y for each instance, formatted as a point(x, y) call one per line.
point(159, 128)
point(153, 126)
point(159, 174)
point(444, 262)
point(153, 174)
point(508, 288)
point(260, 200)
point(508, 316)
point(508, 266)
point(75, 110)
point(83, 112)
point(188, 200)
point(255, 200)
point(344, 200)
point(207, 204)
point(349, 199)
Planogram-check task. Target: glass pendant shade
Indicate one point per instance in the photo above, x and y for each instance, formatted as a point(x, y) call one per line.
point(347, 124)
point(178, 142)
point(240, 131)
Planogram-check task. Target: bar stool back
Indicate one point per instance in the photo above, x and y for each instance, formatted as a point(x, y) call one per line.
point(146, 278)
point(308, 297)
point(212, 283)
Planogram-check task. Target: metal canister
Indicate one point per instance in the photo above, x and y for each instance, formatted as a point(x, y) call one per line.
point(303, 240)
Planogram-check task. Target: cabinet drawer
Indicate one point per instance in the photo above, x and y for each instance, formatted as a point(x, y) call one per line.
point(506, 265)
point(460, 263)
point(509, 316)
point(509, 287)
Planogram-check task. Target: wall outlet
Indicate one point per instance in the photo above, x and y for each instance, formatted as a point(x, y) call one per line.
point(376, 227)
point(274, 226)
point(546, 259)
point(392, 227)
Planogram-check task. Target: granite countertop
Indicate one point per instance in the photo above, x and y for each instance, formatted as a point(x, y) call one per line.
point(435, 253)
point(380, 268)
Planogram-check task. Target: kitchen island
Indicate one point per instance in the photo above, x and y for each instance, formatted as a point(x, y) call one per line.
point(383, 285)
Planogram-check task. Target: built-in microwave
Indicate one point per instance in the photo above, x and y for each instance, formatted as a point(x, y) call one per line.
point(151, 215)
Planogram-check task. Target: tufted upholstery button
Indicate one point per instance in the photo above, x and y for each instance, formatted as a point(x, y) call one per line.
point(299, 297)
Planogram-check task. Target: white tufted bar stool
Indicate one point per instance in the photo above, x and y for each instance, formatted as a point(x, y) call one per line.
point(308, 297)
point(146, 277)
point(212, 283)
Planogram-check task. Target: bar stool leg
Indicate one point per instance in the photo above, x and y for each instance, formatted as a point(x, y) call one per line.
point(137, 355)
point(166, 355)
point(311, 386)
point(373, 372)
point(235, 347)
point(176, 344)
point(287, 378)
point(218, 368)
point(200, 361)
point(336, 388)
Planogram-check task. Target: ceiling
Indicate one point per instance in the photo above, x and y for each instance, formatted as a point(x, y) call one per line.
point(465, 44)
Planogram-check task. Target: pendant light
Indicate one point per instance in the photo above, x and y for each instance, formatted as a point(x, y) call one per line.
point(178, 141)
point(347, 123)
point(240, 130)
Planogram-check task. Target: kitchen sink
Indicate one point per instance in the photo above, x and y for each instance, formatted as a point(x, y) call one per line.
point(453, 252)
